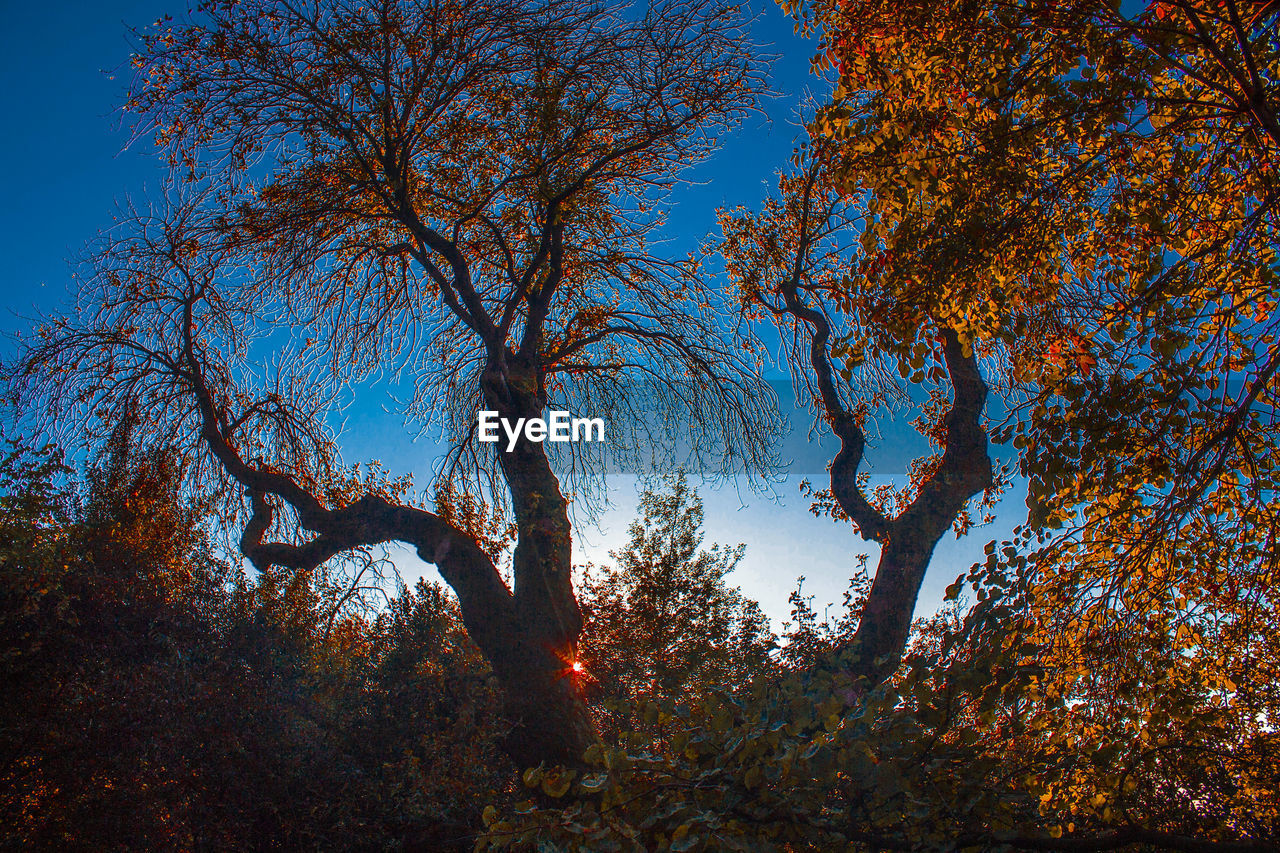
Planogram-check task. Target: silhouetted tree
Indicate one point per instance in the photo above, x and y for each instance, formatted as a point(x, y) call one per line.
point(462, 193)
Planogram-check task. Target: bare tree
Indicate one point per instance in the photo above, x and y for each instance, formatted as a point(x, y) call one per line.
point(462, 195)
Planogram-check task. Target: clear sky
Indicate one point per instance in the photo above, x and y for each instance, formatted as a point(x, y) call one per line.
point(66, 166)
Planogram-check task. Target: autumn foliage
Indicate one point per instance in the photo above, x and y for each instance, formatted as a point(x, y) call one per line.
point(1044, 231)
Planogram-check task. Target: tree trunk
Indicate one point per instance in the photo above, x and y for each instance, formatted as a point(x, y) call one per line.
point(550, 715)
point(529, 636)
point(907, 541)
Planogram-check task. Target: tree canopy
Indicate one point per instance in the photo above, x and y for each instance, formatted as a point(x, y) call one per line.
point(462, 195)
point(1071, 207)
point(1047, 230)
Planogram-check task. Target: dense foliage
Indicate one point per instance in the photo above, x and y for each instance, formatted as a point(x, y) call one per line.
point(662, 620)
point(968, 747)
point(154, 699)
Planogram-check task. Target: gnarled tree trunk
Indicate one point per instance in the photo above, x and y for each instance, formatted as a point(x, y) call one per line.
point(551, 719)
point(529, 636)
point(907, 541)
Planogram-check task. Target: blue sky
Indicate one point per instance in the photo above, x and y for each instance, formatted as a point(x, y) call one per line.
point(62, 146)
point(67, 166)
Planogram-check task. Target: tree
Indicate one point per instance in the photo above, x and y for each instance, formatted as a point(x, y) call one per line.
point(789, 263)
point(662, 624)
point(1071, 205)
point(459, 194)
point(1083, 202)
point(1076, 208)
